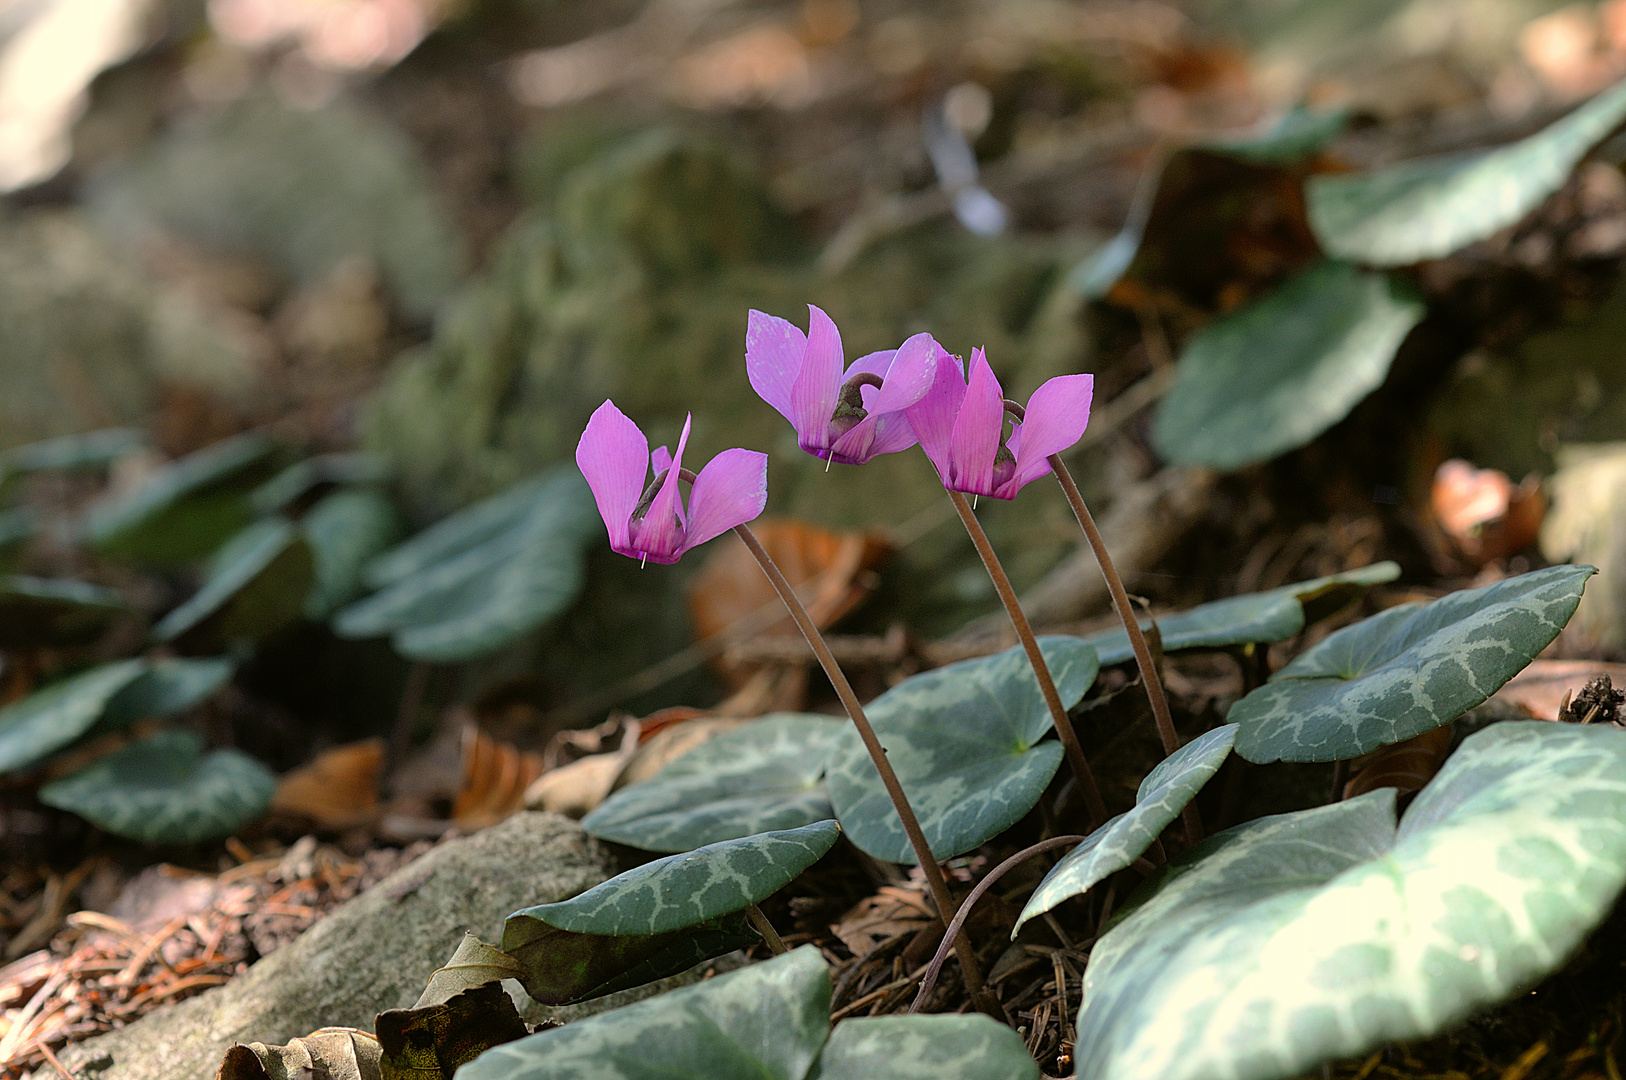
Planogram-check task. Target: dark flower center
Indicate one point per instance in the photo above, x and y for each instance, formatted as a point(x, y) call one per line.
point(850, 411)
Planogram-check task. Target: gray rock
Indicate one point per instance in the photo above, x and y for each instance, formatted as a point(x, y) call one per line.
point(374, 953)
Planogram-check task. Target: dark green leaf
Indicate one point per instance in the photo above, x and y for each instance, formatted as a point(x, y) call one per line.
point(1273, 375)
point(1296, 134)
point(165, 790)
point(36, 727)
point(1428, 208)
point(1272, 615)
point(1162, 796)
point(1405, 671)
point(17, 523)
point(924, 1047)
point(303, 479)
point(1306, 937)
point(257, 585)
point(763, 1022)
point(41, 612)
point(345, 530)
point(650, 919)
point(90, 450)
point(767, 775)
point(484, 578)
point(965, 743)
point(168, 686)
point(183, 511)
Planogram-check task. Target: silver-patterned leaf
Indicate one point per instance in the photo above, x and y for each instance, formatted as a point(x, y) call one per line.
point(924, 1048)
point(1296, 939)
point(346, 530)
point(165, 790)
point(42, 612)
point(965, 741)
point(1406, 670)
point(764, 776)
point(1269, 616)
point(303, 479)
point(1163, 794)
point(1428, 208)
point(39, 725)
point(649, 919)
point(763, 1022)
point(87, 450)
point(257, 585)
point(168, 686)
point(1273, 375)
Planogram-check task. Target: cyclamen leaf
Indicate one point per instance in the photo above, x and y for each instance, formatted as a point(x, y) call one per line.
point(1428, 208)
point(1406, 670)
point(345, 531)
point(965, 743)
point(764, 776)
point(36, 727)
point(165, 790)
point(1269, 616)
point(299, 481)
point(1162, 796)
point(924, 1047)
point(659, 918)
point(257, 585)
point(1307, 937)
point(1271, 376)
point(88, 450)
point(40, 612)
point(763, 1022)
point(168, 686)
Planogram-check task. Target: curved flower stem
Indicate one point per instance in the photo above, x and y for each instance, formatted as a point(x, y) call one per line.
point(877, 753)
point(1041, 670)
point(1137, 640)
point(759, 922)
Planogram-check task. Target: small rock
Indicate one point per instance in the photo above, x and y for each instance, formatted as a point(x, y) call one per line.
point(372, 954)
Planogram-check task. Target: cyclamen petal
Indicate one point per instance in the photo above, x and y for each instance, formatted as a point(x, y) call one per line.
point(773, 356)
point(659, 534)
point(611, 455)
point(975, 440)
point(813, 397)
point(932, 417)
point(1056, 416)
point(731, 490)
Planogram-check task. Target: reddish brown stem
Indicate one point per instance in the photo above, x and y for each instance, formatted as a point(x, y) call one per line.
point(877, 753)
point(1137, 640)
point(1041, 670)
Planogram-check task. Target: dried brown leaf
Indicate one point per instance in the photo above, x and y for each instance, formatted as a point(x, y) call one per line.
point(338, 790)
point(1406, 766)
point(332, 1053)
point(1542, 688)
point(495, 777)
point(474, 963)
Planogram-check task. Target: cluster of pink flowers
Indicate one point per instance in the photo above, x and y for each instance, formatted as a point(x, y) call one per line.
point(881, 403)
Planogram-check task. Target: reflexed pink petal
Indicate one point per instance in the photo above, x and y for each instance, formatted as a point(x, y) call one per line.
point(1057, 415)
point(975, 440)
point(773, 356)
point(931, 419)
point(660, 533)
point(611, 455)
point(660, 459)
point(874, 363)
point(855, 447)
point(813, 396)
point(892, 434)
point(731, 490)
point(910, 376)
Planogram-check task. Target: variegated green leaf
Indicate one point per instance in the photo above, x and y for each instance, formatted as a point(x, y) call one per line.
point(1406, 670)
point(1428, 208)
point(764, 776)
point(659, 918)
point(306, 479)
point(1272, 615)
point(168, 686)
point(1271, 376)
point(39, 725)
point(345, 530)
point(965, 741)
point(1296, 939)
point(763, 1022)
point(924, 1048)
point(257, 585)
point(483, 578)
point(41, 612)
point(1162, 796)
point(165, 790)
point(87, 450)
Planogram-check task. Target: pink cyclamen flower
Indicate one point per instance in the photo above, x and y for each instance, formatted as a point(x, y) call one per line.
point(959, 424)
point(650, 522)
point(847, 416)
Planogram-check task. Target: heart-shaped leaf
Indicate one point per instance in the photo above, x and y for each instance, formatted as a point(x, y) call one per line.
point(41, 612)
point(257, 585)
point(168, 686)
point(484, 578)
point(302, 481)
point(165, 790)
point(1269, 616)
point(924, 1047)
point(965, 743)
point(1162, 795)
point(1293, 136)
point(1406, 670)
point(1428, 208)
point(1296, 939)
point(345, 530)
point(88, 450)
point(764, 776)
point(1273, 375)
point(183, 511)
point(763, 1022)
point(36, 727)
point(659, 918)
